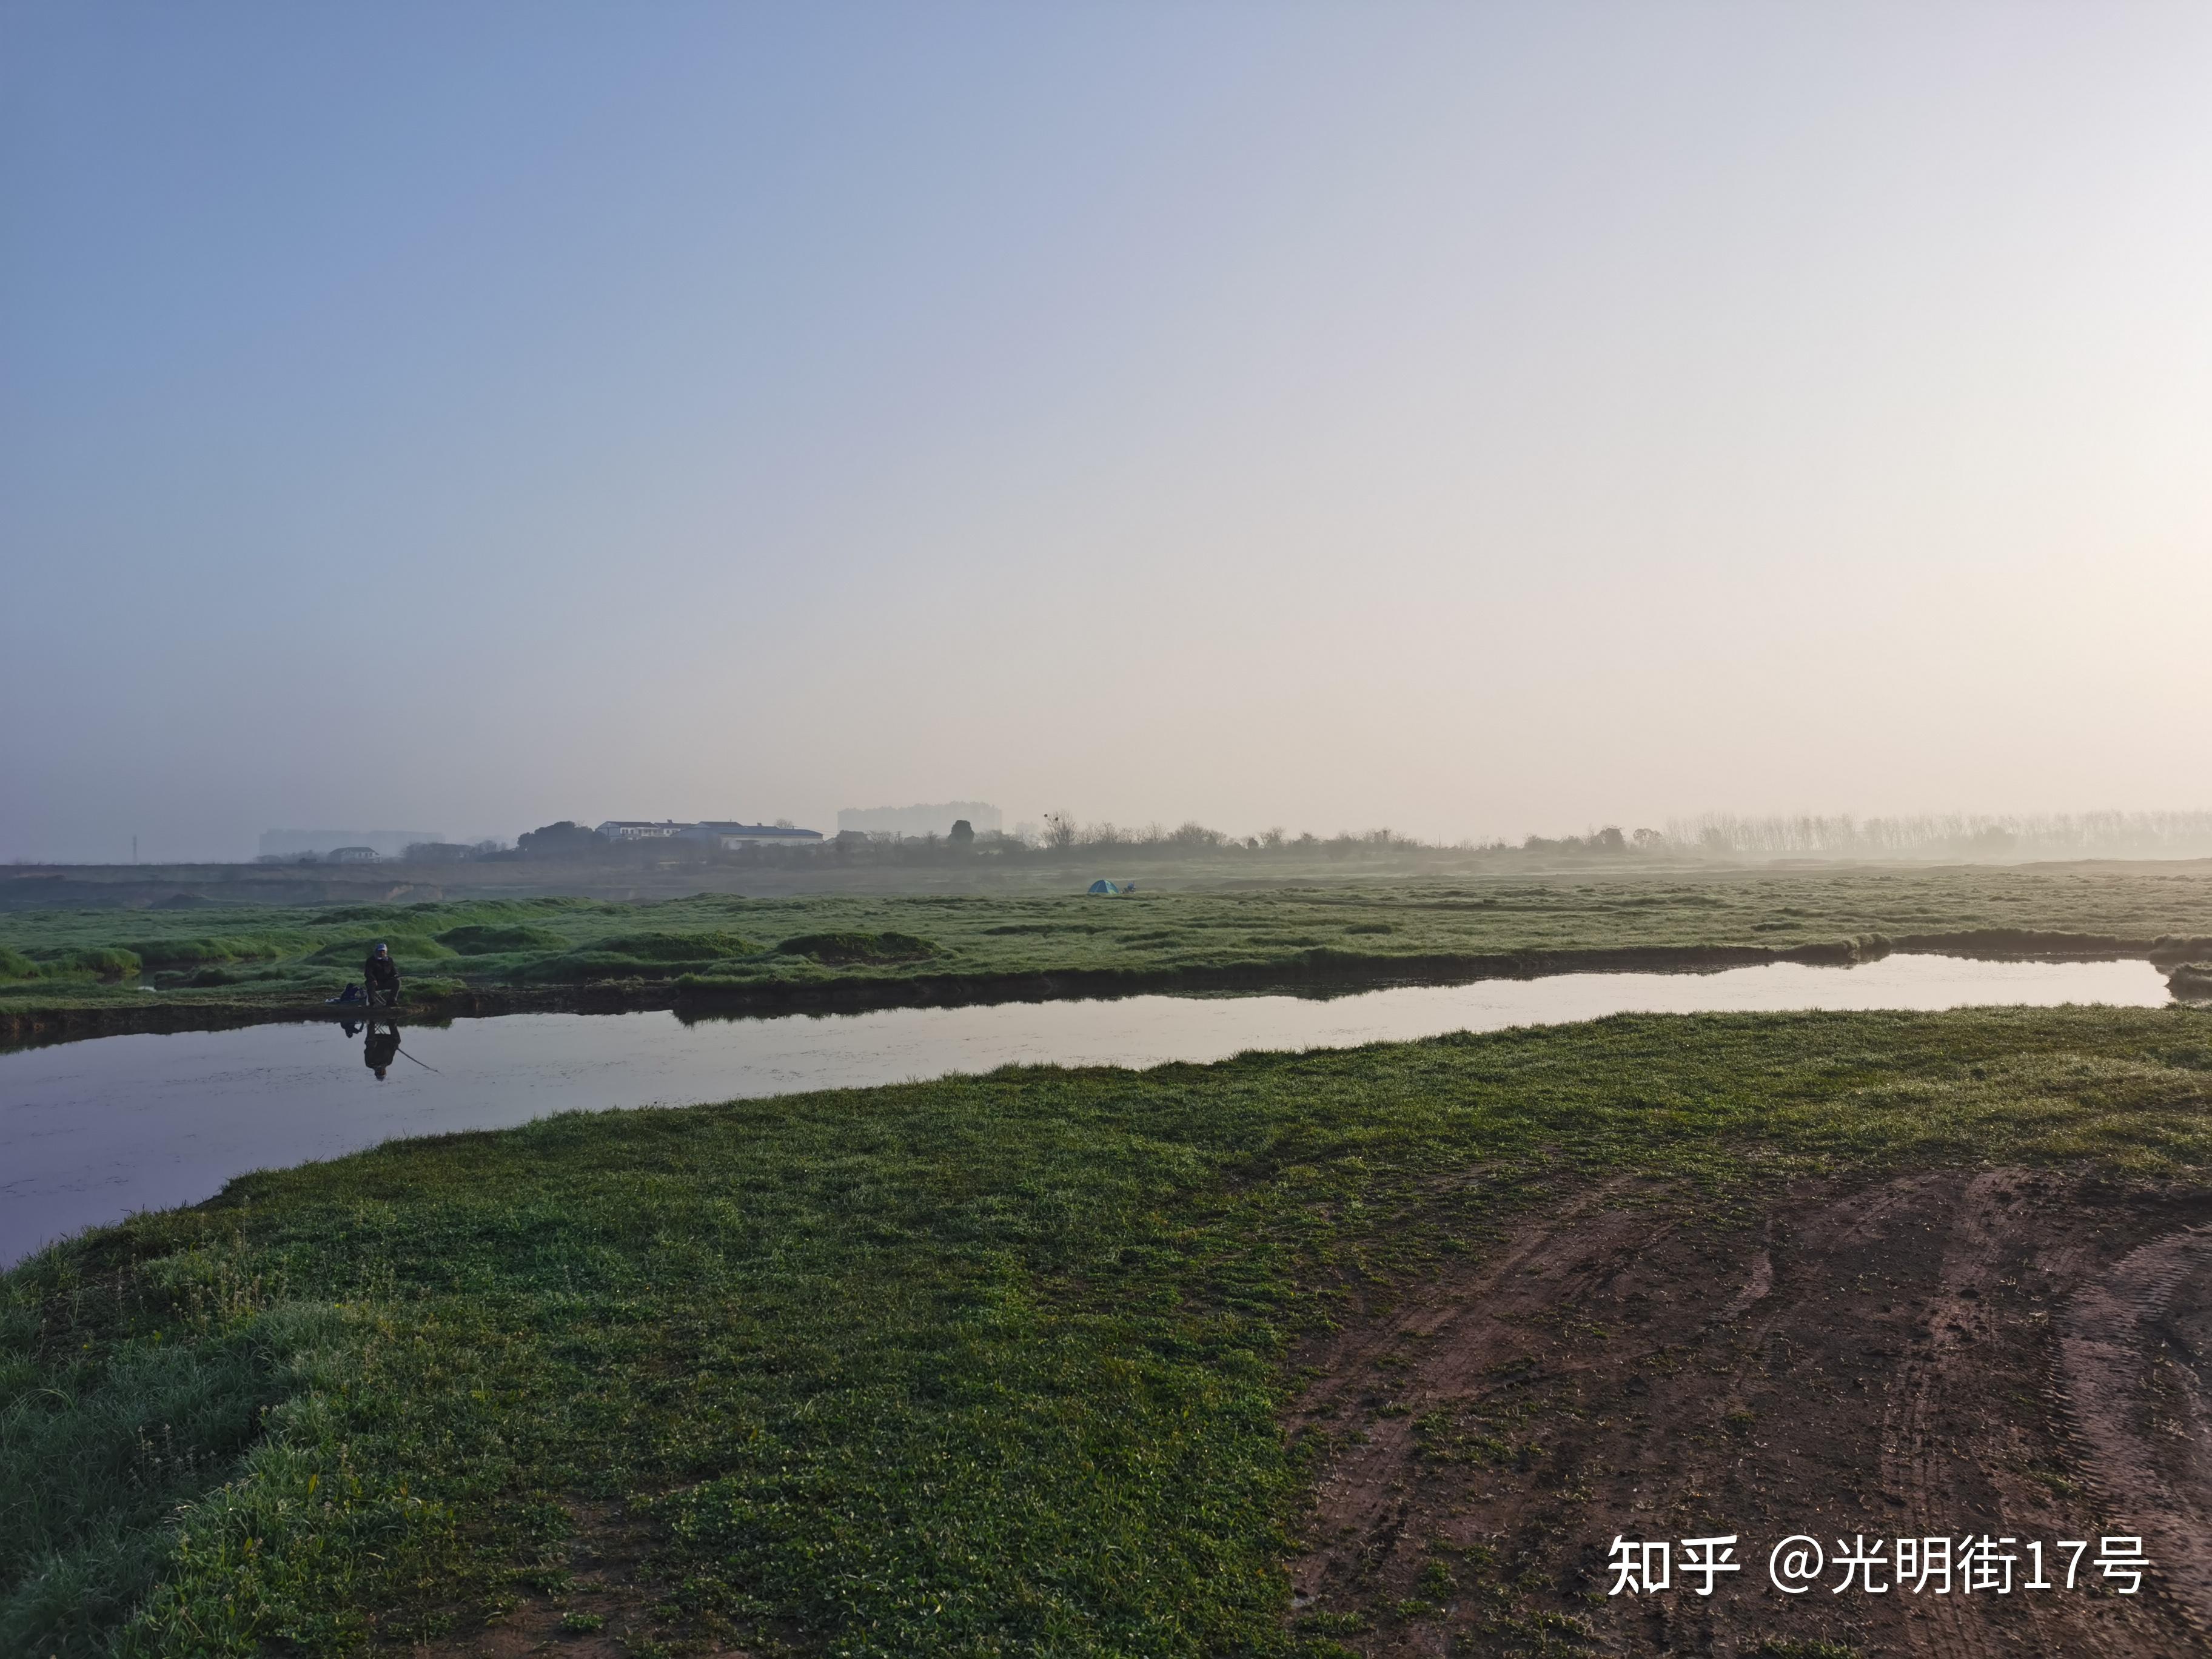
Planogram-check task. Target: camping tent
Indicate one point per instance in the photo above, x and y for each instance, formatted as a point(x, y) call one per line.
point(1107, 887)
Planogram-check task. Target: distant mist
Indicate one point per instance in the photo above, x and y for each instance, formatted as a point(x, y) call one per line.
point(915, 836)
point(385, 843)
point(982, 817)
point(2047, 835)
point(1980, 837)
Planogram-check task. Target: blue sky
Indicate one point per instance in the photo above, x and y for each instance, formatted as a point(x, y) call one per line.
point(1471, 419)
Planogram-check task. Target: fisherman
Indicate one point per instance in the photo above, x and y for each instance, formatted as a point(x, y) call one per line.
point(377, 1053)
point(381, 974)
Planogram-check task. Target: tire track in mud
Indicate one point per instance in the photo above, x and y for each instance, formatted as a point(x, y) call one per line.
point(1474, 1331)
point(2000, 1351)
point(2151, 1472)
point(1925, 1398)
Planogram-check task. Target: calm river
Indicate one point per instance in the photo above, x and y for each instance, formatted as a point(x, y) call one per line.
point(92, 1130)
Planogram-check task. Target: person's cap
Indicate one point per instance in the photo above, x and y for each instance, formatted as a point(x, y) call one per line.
point(381, 945)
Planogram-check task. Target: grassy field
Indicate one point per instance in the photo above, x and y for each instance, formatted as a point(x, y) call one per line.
point(485, 954)
point(993, 1365)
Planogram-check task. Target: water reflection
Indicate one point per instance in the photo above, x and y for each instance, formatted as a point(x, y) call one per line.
point(91, 1131)
point(380, 1048)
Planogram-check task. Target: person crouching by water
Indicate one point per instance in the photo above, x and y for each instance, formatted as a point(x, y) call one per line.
point(380, 976)
point(382, 1047)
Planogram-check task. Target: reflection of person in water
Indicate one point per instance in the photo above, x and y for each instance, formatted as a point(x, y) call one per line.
point(381, 1047)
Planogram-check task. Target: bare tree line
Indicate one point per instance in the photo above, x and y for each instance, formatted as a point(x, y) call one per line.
point(2060, 834)
point(1710, 837)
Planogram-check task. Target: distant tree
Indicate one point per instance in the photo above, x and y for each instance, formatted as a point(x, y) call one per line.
point(963, 833)
point(1059, 832)
point(567, 839)
point(1648, 841)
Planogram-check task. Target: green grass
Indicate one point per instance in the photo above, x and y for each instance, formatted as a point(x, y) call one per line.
point(279, 959)
point(88, 964)
point(989, 1365)
point(846, 949)
point(490, 939)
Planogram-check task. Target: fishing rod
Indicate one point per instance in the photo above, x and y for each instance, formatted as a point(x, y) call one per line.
point(433, 1070)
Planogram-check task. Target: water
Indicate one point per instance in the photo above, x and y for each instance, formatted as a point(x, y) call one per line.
point(91, 1131)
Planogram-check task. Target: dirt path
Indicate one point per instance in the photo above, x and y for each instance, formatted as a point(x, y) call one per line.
point(2147, 1440)
point(2000, 1352)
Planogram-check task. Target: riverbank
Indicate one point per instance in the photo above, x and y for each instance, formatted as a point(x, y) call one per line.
point(66, 972)
point(99, 1129)
point(1072, 1359)
point(1332, 975)
point(1320, 975)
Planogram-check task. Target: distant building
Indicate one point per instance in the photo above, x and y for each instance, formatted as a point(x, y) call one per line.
point(642, 830)
point(283, 844)
point(716, 832)
point(352, 855)
point(730, 837)
point(918, 821)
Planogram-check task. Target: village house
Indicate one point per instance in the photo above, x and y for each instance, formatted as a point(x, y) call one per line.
point(728, 834)
point(730, 837)
point(640, 829)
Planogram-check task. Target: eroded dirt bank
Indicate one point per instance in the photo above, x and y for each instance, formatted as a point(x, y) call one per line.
point(2003, 1353)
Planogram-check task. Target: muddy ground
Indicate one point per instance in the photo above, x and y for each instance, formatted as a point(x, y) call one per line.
point(2005, 1352)
point(2001, 1352)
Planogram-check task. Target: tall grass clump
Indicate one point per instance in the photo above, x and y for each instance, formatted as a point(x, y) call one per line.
point(710, 945)
point(854, 948)
point(352, 952)
point(97, 962)
point(127, 1393)
point(235, 947)
point(492, 939)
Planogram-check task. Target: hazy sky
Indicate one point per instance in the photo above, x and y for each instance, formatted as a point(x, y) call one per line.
point(1473, 419)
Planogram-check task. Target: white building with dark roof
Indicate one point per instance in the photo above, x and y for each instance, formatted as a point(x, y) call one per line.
point(726, 833)
point(730, 836)
point(640, 829)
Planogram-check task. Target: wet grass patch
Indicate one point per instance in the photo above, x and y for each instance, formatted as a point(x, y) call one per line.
point(496, 939)
point(705, 945)
point(408, 948)
point(843, 949)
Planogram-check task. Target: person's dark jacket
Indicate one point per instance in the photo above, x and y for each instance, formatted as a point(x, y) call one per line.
point(382, 972)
